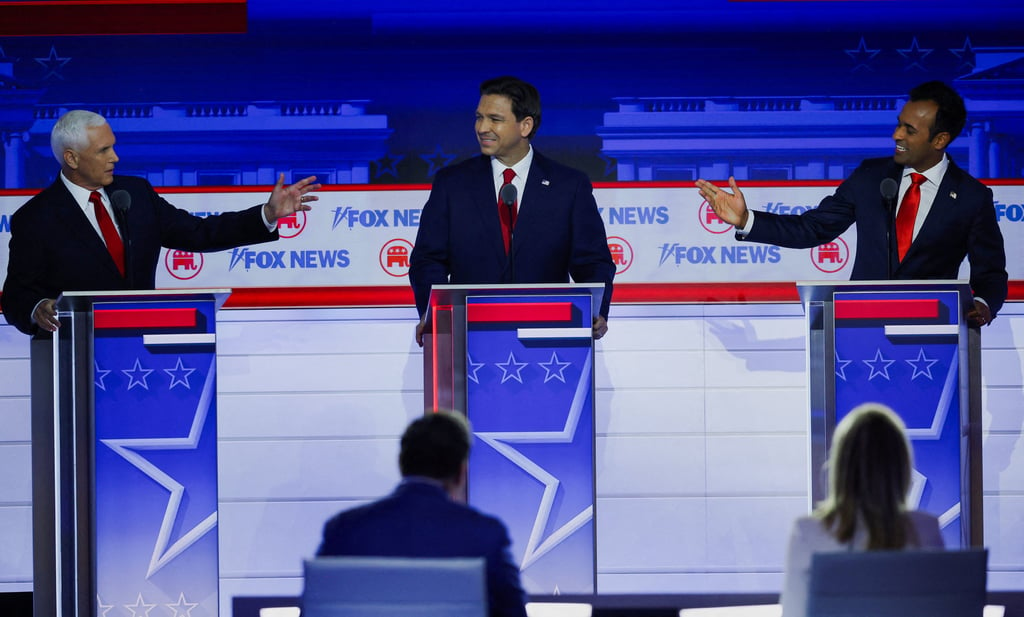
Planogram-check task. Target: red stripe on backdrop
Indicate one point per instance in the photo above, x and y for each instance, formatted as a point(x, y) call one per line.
point(887, 309)
point(108, 319)
point(104, 17)
point(625, 293)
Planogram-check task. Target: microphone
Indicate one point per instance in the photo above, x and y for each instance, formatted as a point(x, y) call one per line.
point(121, 200)
point(508, 196)
point(888, 188)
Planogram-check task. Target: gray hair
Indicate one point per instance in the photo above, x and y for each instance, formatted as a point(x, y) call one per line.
point(71, 131)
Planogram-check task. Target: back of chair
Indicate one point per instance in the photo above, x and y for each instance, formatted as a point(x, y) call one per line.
point(898, 584)
point(379, 586)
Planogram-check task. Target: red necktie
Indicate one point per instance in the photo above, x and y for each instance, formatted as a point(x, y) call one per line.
point(907, 214)
point(110, 237)
point(508, 218)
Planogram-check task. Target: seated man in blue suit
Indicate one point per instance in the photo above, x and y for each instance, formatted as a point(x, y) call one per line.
point(548, 231)
point(93, 231)
point(424, 516)
point(944, 214)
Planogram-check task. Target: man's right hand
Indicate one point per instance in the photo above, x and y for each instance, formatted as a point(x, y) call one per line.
point(45, 315)
point(420, 327)
point(730, 207)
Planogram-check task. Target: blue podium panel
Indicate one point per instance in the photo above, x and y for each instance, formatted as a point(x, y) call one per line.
point(529, 389)
point(155, 458)
point(902, 348)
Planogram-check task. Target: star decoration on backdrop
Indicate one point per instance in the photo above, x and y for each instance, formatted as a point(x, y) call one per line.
point(387, 165)
point(101, 608)
point(128, 449)
point(966, 55)
point(922, 365)
point(100, 375)
point(179, 375)
point(538, 545)
point(862, 56)
point(841, 367)
point(914, 55)
point(511, 369)
point(140, 608)
point(182, 608)
point(472, 368)
point(879, 366)
point(437, 160)
point(137, 375)
point(53, 64)
point(554, 369)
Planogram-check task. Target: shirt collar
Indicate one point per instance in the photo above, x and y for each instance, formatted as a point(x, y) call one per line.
point(934, 174)
point(521, 168)
point(81, 194)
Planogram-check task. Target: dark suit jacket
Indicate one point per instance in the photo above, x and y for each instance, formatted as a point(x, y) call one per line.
point(54, 249)
point(419, 520)
point(961, 223)
point(558, 232)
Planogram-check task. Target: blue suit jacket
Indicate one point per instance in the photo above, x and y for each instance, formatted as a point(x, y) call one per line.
point(961, 223)
point(419, 520)
point(558, 233)
point(54, 248)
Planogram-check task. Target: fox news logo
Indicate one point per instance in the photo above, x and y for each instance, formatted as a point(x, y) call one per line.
point(311, 259)
point(183, 265)
point(1010, 212)
point(394, 257)
point(831, 256)
point(636, 215)
point(622, 253)
point(346, 216)
point(680, 254)
point(291, 225)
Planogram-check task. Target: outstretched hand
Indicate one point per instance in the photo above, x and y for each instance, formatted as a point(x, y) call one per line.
point(730, 207)
point(286, 200)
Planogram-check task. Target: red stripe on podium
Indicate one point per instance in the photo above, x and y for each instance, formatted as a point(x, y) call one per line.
point(927, 308)
point(520, 312)
point(108, 319)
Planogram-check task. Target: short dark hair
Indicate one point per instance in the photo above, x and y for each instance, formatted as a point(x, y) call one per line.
point(951, 115)
point(435, 446)
point(525, 98)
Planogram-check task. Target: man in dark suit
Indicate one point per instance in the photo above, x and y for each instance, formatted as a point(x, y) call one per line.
point(955, 215)
point(424, 516)
point(554, 229)
point(65, 239)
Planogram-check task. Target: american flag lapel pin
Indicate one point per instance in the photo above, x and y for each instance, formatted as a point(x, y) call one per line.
point(545, 182)
point(952, 194)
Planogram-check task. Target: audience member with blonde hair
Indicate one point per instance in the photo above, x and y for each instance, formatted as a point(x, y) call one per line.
point(869, 477)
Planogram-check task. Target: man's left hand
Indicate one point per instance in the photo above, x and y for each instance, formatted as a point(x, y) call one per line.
point(980, 315)
point(286, 200)
point(600, 327)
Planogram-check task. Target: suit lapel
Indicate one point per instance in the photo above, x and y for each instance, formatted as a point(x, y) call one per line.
point(943, 205)
point(531, 205)
point(485, 204)
point(77, 229)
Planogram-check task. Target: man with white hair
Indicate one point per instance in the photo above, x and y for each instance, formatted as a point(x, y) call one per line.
point(78, 235)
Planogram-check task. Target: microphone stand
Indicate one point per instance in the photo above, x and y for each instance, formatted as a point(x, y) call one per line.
point(511, 238)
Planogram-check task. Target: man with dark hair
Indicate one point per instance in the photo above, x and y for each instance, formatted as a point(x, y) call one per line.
point(943, 215)
point(424, 516)
point(469, 234)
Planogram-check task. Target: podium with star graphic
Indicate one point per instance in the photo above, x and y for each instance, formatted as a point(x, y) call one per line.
point(905, 344)
point(519, 361)
point(124, 446)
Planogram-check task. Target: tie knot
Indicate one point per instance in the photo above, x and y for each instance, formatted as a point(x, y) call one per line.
point(509, 174)
point(95, 199)
point(918, 179)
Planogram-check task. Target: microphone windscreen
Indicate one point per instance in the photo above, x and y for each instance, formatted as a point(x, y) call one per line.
point(508, 194)
point(889, 188)
point(121, 201)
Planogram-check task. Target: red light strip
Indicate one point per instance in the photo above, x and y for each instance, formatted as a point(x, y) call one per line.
point(106, 17)
point(927, 308)
point(108, 319)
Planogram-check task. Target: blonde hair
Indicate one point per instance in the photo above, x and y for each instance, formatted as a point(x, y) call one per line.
point(869, 476)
